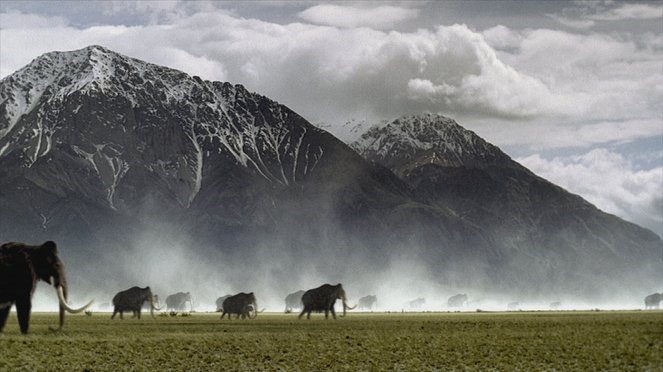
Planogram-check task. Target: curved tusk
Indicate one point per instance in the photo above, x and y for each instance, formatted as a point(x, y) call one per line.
point(68, 307)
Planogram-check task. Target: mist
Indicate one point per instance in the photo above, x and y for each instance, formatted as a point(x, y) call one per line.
point(170, 262)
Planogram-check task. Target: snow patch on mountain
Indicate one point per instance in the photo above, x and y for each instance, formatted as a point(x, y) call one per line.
point(213, 117)
point(436, 138)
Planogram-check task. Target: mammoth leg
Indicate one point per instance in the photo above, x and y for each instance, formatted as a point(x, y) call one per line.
point(223, 314)
point(114, 312)
point(326, 313)
point(23, 307)
point(302, 313)
point(4, 314)
point(121, 314)
point(138, 313)
point(333, 312)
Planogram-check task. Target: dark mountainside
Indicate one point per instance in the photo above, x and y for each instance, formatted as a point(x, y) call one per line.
point(110, 156)
point(558, 236)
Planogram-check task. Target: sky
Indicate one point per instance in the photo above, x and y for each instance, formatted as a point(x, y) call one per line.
point(573, 90)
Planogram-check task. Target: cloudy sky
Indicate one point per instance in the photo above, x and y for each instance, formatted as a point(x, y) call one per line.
point(573, 90)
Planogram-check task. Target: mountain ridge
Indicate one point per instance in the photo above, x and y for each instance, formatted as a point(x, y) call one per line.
point(101, 158)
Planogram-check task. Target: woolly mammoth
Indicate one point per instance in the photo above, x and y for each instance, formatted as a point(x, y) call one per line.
point(653, 301)
point(293, 301)
point(242, 304)
point(323, 298)
point(219, 303)
point(21, 267)
point(367, 302)
point(132, 300)
point(177, 301)
point(458, 300)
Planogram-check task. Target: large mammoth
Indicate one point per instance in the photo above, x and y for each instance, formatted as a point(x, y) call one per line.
point(177, 301)
point(323, 298)
point(132, 300)
point(293, 301)
point(242, 304)
point(367, 302)
point(21, 267)
point(653, 301)
point(458, 300)
point(219, 303)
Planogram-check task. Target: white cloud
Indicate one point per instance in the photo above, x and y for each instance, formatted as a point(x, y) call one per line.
point(380, 17)
point(585, 14)
point(18, 20)
point(629, 11)
point(577, 89)
point(573, 22)
point(609, 181)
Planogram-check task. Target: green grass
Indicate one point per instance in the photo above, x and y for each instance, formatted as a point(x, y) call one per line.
point(405, 342)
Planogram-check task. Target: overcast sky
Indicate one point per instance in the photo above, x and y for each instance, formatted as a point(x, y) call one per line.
point(573, 90)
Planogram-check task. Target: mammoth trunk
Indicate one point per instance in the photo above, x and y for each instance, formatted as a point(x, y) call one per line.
point(62, 297)
point(153, 307)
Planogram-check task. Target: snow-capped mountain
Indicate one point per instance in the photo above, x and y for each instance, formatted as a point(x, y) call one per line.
point(449, 166)
point(140, 105)
point(97, 148)
point(416, 140)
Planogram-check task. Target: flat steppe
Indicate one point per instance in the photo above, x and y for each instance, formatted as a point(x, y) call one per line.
point(593, 340)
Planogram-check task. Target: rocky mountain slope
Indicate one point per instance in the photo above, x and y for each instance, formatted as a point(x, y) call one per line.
point(97, 149)
point(537, 223)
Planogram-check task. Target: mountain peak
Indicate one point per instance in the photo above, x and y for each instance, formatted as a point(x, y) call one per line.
point(426, 139)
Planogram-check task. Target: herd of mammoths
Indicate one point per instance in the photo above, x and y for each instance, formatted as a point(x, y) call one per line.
point(22, 266)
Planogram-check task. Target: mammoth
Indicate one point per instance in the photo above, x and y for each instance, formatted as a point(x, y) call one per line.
point(367, 302)
point(293, 301)
point(219, 303)
point(323, 298)
point(242, 304)
point(177, 301)
point(458, 300)
point(555, 305)
point(132, 300)
point(653, 301)
point(21, 267)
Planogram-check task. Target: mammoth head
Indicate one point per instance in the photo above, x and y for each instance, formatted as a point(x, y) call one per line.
point(48, 266)
point(340, 292)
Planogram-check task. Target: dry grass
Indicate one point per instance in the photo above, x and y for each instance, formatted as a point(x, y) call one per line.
point(407, 342)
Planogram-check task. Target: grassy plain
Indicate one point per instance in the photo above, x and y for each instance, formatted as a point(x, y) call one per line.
point(361, 341)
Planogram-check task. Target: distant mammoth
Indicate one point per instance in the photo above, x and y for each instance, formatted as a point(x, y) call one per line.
point(132, 300)
point(367, 302)
point(242, 304)
point(177, 301)
point(219, 303)
point(653, 301)
point(555, 305)
point(459, 300)
point(323, 298)
point(293, 301)
point(417, 303)
point(21, 267)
